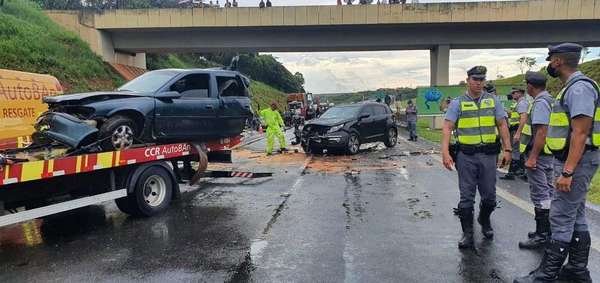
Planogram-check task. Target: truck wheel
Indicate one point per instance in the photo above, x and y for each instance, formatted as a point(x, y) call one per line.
point(353, 144)
point(152, 193)
point(120, 132)
point(391, 137)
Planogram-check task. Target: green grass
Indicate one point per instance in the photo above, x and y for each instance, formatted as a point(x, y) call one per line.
point(263, 95)
point(594, 193)
point(31, 42)
point(423, 131)
point(590, 68)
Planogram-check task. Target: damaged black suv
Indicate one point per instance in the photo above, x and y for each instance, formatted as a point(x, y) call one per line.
point(170, 105)
point(345, 128)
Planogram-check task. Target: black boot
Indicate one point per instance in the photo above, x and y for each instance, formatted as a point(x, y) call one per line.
point(555, 254)
point(576, 269)
point(485, 211)
point(511, 171)
point(542, 231)
point(466, 222)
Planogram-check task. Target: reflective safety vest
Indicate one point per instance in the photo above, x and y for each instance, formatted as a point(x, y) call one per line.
point(559, 129)
point(515, 117)
point(527, 133)
point(477, 123)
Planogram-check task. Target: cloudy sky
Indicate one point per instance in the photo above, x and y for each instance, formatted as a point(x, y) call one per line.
point(332, 72)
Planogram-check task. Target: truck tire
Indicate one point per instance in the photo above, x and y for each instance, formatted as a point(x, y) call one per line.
point(120, 133)
point(391, 137)
point(152, 193)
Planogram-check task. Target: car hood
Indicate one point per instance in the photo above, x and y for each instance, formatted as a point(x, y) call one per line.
point(87, 97)
point(328, 121)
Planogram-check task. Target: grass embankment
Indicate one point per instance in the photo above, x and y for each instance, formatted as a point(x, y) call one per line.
point(31, 42)
point(263, 95)
point(423, 131)
point(591, 69)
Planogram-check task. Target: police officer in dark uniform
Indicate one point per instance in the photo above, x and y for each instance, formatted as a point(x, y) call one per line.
point(477, 117)
point(573, 136)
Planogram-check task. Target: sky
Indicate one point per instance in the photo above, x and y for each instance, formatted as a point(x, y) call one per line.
point(334, 72)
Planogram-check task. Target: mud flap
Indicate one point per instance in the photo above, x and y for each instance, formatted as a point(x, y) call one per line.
point(202, 163)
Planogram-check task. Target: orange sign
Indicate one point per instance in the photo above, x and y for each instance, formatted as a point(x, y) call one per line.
point(21, 103)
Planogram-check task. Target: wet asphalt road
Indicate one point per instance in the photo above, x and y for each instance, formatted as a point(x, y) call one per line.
point(379, 216)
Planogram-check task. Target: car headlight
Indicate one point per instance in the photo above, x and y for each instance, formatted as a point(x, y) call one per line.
point(335, 128)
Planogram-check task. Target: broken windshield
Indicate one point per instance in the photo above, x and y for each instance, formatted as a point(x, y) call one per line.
point(149, 82)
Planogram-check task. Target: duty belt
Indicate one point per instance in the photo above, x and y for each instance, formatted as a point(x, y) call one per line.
point(493, 148)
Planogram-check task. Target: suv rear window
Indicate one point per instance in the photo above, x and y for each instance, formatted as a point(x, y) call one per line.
point(231, 86)
point(381, 110)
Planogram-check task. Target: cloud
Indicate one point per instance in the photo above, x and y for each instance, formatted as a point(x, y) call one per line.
point(333, 72)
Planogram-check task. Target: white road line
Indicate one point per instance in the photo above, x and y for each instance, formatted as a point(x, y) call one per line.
point(524, 205)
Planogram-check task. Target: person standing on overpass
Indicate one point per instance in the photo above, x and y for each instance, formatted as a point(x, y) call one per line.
point(477, 117)
point(539, 164)
point(574, 138)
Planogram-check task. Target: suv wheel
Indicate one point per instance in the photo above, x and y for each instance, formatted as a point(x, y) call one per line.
point(353, 144)
point(391, 137)
point(120, 132)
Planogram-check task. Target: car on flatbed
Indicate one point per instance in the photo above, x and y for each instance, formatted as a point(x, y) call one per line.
point(162, 106)
point(345, 128)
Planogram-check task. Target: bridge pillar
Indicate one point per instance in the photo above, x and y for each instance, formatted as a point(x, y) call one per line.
point(439, 60)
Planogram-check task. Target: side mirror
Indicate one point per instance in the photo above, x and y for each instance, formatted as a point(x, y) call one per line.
point(364, 116)
point(169, 94)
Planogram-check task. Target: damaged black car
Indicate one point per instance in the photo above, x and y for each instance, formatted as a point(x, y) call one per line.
point(345, 128)
point(171, 105)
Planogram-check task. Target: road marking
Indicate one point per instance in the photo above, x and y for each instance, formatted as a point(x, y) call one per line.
point(258, 244)
point(524, 205)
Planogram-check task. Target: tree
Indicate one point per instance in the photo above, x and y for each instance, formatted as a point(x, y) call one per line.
point(299, 78)
point(526, 63)
point(584, 52)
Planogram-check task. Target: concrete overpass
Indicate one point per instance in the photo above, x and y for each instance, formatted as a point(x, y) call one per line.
point(123, 36)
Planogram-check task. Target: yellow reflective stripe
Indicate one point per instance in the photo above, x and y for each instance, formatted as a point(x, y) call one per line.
point(468, 106)
point(526, 130)
point(468, 122)
point(559, 119)
point(522, 147)
point(556, 143)
point(487, 121)
point(470, 140)
point(488, 138)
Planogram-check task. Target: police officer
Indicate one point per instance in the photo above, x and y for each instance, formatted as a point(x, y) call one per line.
point(539, 164)
point(517, 119)
point(574, 140)
point(490, 88)
point(475, 116)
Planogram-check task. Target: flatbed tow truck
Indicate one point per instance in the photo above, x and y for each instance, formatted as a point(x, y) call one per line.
point(142, 180)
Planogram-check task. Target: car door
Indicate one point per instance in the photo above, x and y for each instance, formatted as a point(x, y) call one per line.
point(380, 121)
point(235, 104)
point(192, 115)
point(366, 124)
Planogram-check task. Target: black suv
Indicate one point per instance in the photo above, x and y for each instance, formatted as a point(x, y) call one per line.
point(347, 127)
point(168, 105)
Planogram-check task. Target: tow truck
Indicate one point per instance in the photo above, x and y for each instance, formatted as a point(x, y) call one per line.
point(142, 180)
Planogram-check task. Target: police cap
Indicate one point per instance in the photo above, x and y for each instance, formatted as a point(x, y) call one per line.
point(477, 72)
point(563, 48)
point(535, 78)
